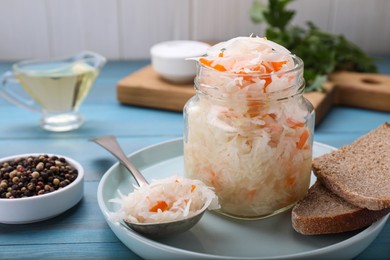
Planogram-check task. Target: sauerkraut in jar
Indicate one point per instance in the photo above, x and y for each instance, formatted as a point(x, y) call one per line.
point(248, 130)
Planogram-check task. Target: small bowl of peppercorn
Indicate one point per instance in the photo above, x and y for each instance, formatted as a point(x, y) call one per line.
point(35, 187)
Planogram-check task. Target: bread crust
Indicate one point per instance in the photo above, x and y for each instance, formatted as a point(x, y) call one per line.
point(314, 216)
point(360, 172)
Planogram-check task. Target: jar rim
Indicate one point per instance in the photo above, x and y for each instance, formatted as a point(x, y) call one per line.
point(278, 95)
point(294, 89)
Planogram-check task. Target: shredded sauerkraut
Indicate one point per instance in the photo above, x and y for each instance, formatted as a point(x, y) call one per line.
point(248, 134)
point(166, 200)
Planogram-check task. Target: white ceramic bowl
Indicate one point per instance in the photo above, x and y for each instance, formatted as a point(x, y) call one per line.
point(41, 207)
point(169, 59)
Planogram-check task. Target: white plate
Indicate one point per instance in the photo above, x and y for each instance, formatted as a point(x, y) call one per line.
point(218, 237)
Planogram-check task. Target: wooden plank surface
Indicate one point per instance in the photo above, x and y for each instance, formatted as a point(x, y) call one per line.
point(147, 88)
point(82, 232)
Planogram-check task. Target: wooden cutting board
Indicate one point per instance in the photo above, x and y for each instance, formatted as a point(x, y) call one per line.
point(146, 88)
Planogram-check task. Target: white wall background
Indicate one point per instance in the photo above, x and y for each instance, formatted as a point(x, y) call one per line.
point(126, 29)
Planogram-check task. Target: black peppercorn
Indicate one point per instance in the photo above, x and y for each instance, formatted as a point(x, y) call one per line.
point(31, 186)
point(34, 175)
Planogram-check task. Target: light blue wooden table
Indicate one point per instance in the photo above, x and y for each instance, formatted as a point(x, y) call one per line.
point(82, 232)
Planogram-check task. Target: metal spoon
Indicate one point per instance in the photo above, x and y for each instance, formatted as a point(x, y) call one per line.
point(149, 229)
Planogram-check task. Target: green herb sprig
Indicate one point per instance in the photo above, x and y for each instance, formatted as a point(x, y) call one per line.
point(322, 52)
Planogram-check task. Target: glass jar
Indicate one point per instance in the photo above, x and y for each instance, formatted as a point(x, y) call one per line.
point(253, 146)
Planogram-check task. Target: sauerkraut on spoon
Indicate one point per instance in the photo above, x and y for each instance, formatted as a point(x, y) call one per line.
point(163, 207)
point(171, 199)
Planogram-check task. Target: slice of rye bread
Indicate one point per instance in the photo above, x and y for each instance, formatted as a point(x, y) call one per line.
point(323, 212)
point(360, 172)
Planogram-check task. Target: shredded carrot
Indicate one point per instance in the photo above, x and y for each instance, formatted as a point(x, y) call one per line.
point(302, 139)
point(290, 181)
point(193, 187)
point(214, 179)
point(254, 108)
point(253, 112)
point(268, 81)
point(268, 68)
point(256, 68)
point(208, 63)
point(273, 66)
point(271, 115)
point(251, 194)
point(253, 103)
point(219, 67)
point(277, 65)
point(294, 124)
point(275, 128)
point(160, 205)
point(247, 78)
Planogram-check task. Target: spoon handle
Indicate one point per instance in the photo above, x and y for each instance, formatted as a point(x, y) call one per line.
point(110, 144)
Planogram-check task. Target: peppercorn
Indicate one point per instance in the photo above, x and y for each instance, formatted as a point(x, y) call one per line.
point(40, 166)
point(20, 168)
point(12, 174)
point(34, 175)
point(54, 169)
point(31, 186)
point(56, 182)
point(44, 175)
point(4, 184)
